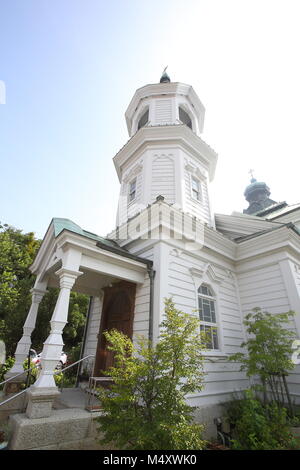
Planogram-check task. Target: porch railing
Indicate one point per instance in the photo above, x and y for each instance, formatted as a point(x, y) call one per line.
point(28, 372)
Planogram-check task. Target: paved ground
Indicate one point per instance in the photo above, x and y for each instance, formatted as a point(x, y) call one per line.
point(75, 398)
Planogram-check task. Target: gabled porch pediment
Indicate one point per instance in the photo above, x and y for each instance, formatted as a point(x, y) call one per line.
point(100, 260)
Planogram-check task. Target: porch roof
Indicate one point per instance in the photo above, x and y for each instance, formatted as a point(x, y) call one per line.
point(60, 224)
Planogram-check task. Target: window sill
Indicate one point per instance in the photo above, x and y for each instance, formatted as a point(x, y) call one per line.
point(216, 353)
point(196, 200)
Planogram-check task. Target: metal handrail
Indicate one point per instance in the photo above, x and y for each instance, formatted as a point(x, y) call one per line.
point(28, 370)
point(13, 397)
point(18, 375)
point(62, 371)
point(73, 364)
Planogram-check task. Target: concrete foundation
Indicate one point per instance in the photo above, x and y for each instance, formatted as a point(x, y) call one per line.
point(206, 415)
point(17, 405)
point(70, 426)
point(64, 429)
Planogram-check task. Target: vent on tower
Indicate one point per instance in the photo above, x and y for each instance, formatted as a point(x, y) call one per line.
point(163, 111)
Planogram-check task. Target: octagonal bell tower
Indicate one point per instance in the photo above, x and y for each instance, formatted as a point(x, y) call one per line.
point(165, 155)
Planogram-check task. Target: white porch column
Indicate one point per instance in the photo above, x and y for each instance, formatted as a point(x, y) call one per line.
point(44, 390)
point(29, 325)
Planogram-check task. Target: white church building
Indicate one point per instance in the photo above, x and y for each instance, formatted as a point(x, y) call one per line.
point(168, 243)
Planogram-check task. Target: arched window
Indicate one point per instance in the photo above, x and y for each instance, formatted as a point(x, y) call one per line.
point(144, 119)
point(185, 118)
point(207, 315)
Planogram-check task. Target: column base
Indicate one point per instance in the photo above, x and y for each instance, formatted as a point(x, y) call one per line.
point(14, 385)
point(40, 402)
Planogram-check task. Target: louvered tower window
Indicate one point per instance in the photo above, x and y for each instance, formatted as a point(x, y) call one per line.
point(144, 119)
point(185, 118)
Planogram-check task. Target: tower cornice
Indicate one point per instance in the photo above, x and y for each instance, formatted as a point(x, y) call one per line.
point(167, 135)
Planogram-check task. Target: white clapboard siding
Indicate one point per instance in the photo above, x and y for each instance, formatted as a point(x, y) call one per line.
point(264, 287)
point(141, 311)
point(297, 275)
point(163, 178)
point(222, 377)
point(293, 381)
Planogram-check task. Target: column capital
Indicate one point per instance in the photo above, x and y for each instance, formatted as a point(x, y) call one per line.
point(67, 277)
point(37, 294)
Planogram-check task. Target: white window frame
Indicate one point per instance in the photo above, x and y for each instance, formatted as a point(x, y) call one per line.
point(209, 324)
point(199, 192)
point(130, 192)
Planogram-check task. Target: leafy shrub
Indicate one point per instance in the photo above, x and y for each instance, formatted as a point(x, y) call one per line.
point(145, 408)
point(258, 427)
point(269, 352)
point(6, 367)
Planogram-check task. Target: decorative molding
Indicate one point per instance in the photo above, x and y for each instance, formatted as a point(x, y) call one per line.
point(208, 270)
point(195, 170)
point(198, 272)
point(297, 268)
point(134, 171)
point(176, 252)
point(211, 272)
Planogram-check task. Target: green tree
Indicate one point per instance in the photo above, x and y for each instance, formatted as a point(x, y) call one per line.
point(145, 408)
point(269, 352)
point(17, 253)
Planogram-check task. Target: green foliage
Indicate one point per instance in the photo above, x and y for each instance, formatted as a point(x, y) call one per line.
point(146, 407)
point(17, 253)
point(33, 373)
point(6, 367)
point(269, 350)
point(76, 319)
point(73, 331)
point(258, 427)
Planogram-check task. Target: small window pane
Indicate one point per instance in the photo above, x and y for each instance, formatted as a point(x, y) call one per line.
point(211, 336)
point(207, 315)
point(196, 189)
point(132, 190)
point(215, 338)
point(205, 290)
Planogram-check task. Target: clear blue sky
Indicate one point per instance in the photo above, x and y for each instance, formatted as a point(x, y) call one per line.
point(71, 67)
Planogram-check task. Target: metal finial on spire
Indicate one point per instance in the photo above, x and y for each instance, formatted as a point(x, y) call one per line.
point(252, 177)
point(165, 77)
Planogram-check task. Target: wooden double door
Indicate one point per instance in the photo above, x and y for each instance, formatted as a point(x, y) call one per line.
point(117, 313)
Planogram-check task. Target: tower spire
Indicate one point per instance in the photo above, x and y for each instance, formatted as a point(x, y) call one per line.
point(257, 194)
point(252, 177)
point(165, 77)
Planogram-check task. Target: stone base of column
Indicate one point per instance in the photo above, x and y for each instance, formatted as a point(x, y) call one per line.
point(40, 402)
point(14, 385)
